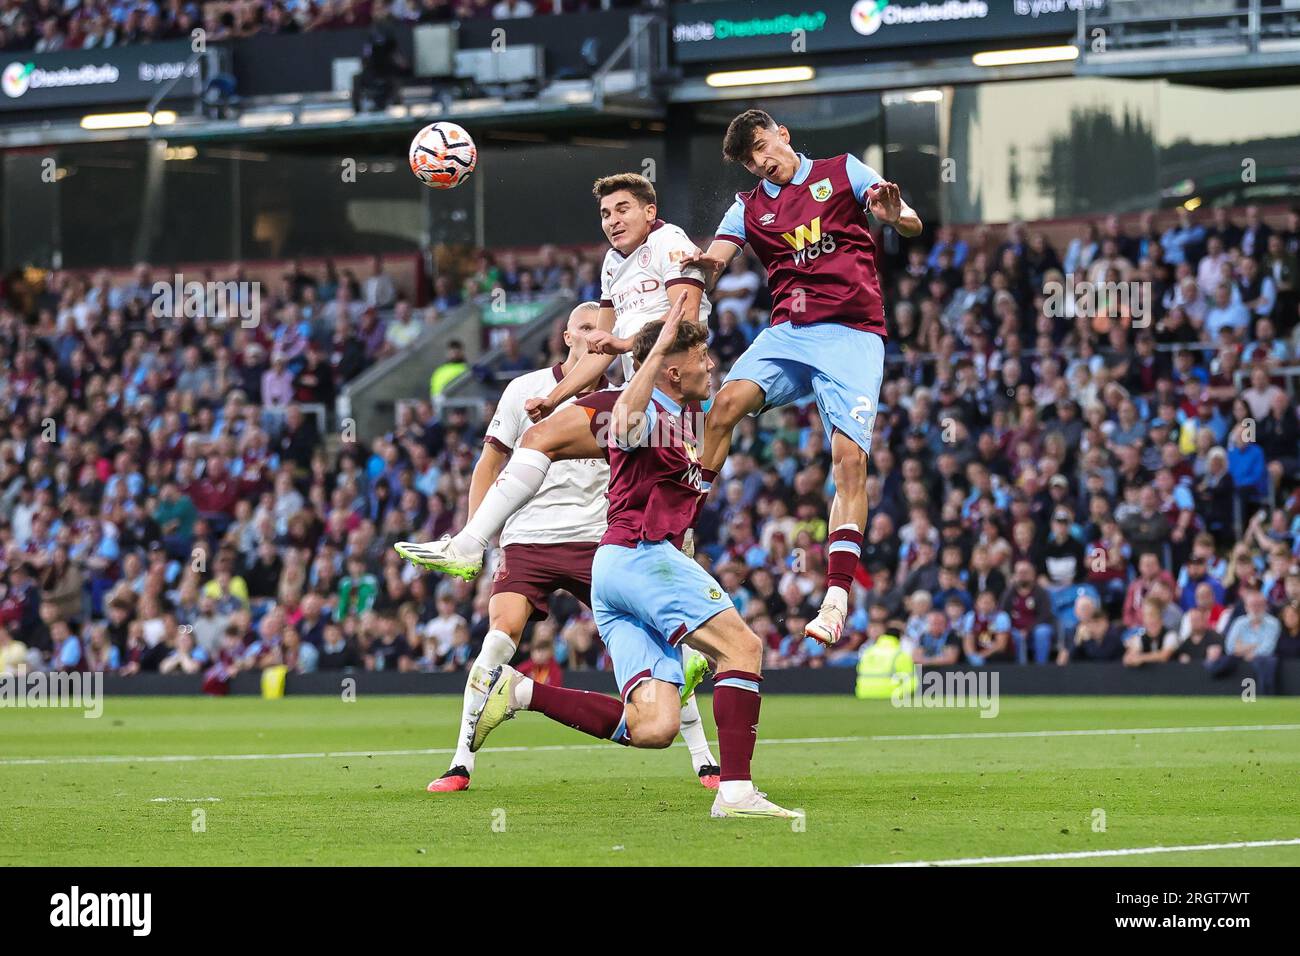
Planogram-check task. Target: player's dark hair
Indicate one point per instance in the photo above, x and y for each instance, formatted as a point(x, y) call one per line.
point(689, 334)
point(640, 187)
point(738, 143)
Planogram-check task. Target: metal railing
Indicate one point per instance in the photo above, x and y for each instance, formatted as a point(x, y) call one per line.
point(645, 49)
point(1182, 25)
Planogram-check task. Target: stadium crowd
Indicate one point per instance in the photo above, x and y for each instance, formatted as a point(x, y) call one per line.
point(1061, 473)
point(47, 26)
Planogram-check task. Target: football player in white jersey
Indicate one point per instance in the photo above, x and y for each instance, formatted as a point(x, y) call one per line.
point(546, 545)
point(641, 280)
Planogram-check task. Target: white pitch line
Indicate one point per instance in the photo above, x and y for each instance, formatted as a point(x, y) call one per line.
point(435, 751)
point(1112, 732)
point(185, 800)
point(1093, 854)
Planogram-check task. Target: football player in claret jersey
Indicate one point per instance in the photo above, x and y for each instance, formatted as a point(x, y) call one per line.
point(643, 276)
point(807, 222)
point(547, 545)
point(650, 599)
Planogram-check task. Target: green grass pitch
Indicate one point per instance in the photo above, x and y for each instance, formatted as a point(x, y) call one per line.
point(350, 791)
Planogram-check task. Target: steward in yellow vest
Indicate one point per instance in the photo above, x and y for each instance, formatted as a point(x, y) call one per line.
point(883, 667)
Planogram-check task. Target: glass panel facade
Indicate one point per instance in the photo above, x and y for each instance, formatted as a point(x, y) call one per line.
point(1212, 142)
point(1044, 149)
point(1065, 147)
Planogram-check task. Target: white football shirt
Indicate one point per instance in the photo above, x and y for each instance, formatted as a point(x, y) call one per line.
point(570, 505)
point(636, 286)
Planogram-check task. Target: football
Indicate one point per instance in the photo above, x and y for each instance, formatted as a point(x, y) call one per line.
point(443, 155)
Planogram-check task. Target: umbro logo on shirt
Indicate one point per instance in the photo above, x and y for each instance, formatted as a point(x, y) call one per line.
point(767, 218)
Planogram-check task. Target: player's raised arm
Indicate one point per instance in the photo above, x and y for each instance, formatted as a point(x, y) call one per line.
point(714, 260)
point(887, 205)
point(688, 296)
point(585, 374)
point(628, 419)
point(882, 198)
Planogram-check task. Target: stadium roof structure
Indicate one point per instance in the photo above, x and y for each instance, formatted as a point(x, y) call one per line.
point(633, 66)
point(1218, 43)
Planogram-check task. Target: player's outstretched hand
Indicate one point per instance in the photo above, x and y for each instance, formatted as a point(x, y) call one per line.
point(885, 202)
point(604, 343)
point(538, 408)
point(711, 265)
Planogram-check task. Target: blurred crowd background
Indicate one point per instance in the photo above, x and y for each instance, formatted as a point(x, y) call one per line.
point(47, 26)
point(1062, 472)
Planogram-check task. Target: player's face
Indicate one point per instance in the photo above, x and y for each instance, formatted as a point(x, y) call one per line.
point(625, 221)
point(581, 322)
point(693, 371)
point(773, 158)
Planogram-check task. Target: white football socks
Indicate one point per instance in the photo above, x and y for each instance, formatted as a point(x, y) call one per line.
point(497, 650)
point(521, 695)
point(836, 597)
point(693, 733)
point(734, 791)
point(518, 482)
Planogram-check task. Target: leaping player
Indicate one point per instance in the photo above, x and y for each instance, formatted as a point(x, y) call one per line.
point(807, 223)
point(648, 597)
point(547, 545)
point(643, 276)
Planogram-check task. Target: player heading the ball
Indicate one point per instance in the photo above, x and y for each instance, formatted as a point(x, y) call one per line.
point(807, 222)
point(644, 274)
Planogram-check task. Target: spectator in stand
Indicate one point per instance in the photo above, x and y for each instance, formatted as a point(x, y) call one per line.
point(1060, 558)
point(1225, 313)
point(1150, 642)
point(1252, 637)
point(986, 632)
point(185, 657)
point(937, 643)
point(338, 650)
point(402, 331)
point(1094, 639)
point(1182, 239)
point(1146, 529)
point(1149, 574)
point(1215, 496)
point(1029, 607)
point(1200, 644)
point(357, 590)
point(541, 665)
point(512, 362)
point(1288, 641)
point(277, 383)
point(445, 296)
point(379, 290)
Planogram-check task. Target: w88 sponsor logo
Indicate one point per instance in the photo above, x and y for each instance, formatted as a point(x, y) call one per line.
point(808, 242)
point(823, 246)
